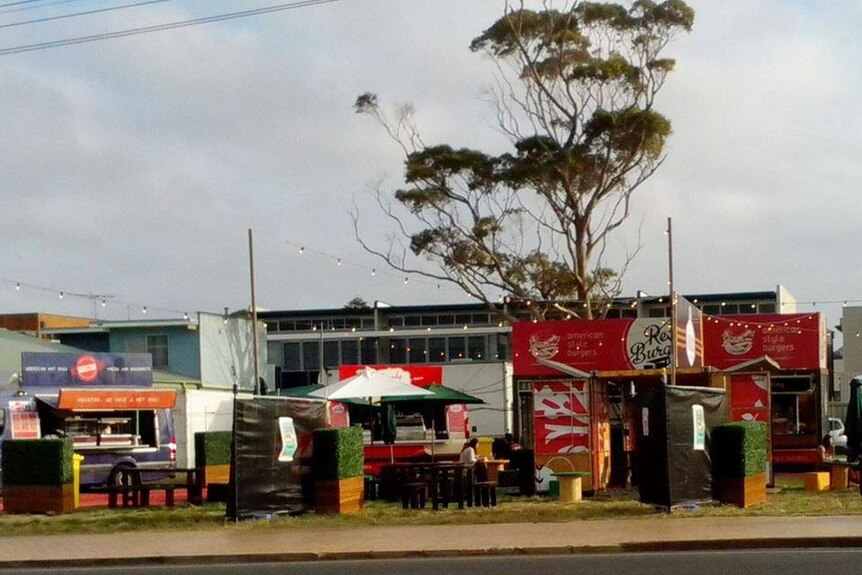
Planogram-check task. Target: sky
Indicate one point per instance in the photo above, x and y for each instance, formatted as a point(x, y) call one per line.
point(132, 169)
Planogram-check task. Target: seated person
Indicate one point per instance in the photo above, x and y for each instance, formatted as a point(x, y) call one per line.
point(472, 461)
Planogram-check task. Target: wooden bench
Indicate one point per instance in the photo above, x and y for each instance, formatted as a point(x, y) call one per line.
point(134, 490)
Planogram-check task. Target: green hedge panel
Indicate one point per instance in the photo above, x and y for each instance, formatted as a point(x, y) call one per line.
point(739, 449)
point(338, 453)
point(37, 461)
point(212, 448)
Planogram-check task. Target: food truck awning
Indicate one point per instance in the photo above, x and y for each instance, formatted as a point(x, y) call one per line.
point(74, 399)
point(762, 363)
point(563, 368)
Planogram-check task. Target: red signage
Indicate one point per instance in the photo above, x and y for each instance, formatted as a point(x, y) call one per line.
point(591, 345)
point(794, 341)
point(419, 375)
point(749, 397)
point(561, 417)
point(87, 368)
point(86, 399)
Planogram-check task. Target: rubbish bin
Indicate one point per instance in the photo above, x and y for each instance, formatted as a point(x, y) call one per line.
point(76, 478)
point(484, 448)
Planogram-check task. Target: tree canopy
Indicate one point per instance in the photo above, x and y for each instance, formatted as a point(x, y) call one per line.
point(574, 93)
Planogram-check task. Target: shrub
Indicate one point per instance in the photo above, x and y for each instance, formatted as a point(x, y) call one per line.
point(212, 448)
point(338, 453)
point(738, 449)
point(37, 462)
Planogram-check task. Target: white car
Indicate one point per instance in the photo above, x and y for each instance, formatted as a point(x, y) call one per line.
point(836, 437)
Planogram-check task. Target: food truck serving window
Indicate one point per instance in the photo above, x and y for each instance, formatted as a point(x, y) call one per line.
point(792, 384)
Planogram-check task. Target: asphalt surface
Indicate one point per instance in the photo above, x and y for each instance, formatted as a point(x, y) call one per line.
point(259, 545)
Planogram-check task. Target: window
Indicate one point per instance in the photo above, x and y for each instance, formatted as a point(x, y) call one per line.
point(398, 351)
point(413, 321)
point(418, 350)
point(368, 349)
point(292, 357)
point(766, 308)
point(476, 347)
point(350, 351)
point(436, 349)
point(457, 349)
point(446, 320)
point(502, 346)
point(330, 354)
point(310, 355)
point(429, 320)
point(712, 309)
point(462, 319)
point(155, 345)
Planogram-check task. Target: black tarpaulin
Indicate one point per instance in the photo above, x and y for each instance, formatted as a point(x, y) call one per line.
point(273, 454)
point(672, 452)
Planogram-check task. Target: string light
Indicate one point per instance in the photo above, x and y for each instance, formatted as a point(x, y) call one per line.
point(342, 262)
point(64, 294)
point(144, 310)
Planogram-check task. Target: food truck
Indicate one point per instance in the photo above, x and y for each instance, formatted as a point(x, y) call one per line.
point(105, 403)
point(578, 381)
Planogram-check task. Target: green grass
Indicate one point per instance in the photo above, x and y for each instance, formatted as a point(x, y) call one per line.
point(788, 499)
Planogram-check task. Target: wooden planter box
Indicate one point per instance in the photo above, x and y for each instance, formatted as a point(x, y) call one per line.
point(39, 498)
point(339, 495)
point(741, 491)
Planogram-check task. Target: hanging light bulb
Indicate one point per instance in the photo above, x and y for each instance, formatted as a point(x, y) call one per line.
point(374, 272)
point(186, 316)
point(104, 303)
point(338, 262)
point(144, 311)
point(301, 250)
point(406, 281)
point(17, 287)
point(61, 295)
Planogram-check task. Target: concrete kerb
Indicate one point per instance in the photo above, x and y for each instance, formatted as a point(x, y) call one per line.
point(668, 546)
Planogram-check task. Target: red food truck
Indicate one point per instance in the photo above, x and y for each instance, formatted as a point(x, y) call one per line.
point(577, 382)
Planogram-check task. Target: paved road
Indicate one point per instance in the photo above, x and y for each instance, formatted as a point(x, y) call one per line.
point(772, 562)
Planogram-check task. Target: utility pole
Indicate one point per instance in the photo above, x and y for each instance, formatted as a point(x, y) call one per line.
point(672, 303)
point(253, 314)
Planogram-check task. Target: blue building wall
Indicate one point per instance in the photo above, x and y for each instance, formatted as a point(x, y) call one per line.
point(183, 346)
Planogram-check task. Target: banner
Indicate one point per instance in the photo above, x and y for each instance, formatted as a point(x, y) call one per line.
point(794, 341)
point(125, 399)
point(87, 369)
point(689, 334)
point(592, 345)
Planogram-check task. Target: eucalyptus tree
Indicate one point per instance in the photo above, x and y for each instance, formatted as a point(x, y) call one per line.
point(574, 92)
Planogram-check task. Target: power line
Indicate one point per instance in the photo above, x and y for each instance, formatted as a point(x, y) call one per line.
point(23, 8)
point(19, 2)
point(85, 13)
point(162, 27)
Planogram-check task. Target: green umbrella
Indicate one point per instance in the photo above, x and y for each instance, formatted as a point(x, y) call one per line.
point(853, 421)
point(440, 395)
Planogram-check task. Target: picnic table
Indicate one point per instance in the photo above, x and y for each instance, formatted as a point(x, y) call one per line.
point(444, 482)
point(134, 485)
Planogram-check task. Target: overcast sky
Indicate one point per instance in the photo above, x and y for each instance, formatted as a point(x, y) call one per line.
point(134, 167)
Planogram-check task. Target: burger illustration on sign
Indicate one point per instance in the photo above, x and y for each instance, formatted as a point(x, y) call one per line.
point(544, 346)
point(737, 342)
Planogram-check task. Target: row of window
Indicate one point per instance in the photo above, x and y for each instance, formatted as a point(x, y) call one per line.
point(306, 355)
point(485, 319)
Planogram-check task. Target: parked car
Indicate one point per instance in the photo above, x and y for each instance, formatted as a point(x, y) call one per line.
point(836, 438)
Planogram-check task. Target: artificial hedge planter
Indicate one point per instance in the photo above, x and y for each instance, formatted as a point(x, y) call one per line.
point(338, 453)
point(37, 476)
point(739, 456)
point(213, 454)
point(338, 460)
